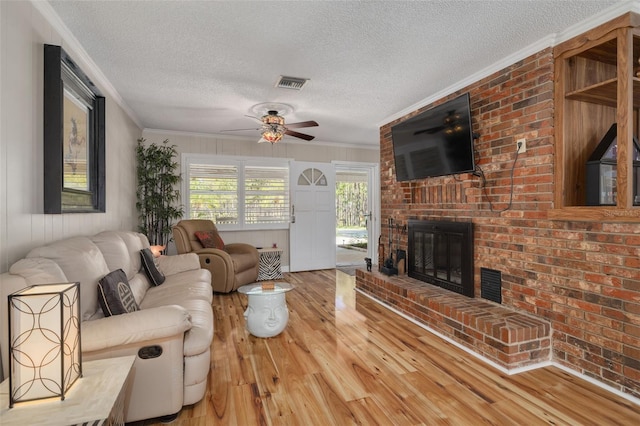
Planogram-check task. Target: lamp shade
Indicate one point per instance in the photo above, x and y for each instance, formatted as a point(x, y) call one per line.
point(44, 341)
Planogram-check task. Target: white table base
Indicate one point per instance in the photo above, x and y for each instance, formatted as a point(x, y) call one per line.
point(267, 314)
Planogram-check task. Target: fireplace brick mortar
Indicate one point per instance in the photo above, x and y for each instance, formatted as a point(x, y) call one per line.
point(502, 335)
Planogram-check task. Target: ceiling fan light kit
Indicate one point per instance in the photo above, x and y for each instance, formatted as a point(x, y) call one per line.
point(273, 128)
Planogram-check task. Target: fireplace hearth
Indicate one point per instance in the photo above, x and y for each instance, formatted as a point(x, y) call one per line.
point(441, 253)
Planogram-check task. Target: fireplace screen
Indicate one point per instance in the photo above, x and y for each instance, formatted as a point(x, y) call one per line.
point(441, 253)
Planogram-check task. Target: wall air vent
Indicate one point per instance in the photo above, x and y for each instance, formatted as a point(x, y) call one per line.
point(491, 285)
point(293, 83)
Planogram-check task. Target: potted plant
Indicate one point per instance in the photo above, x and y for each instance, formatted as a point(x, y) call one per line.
point(157, 193)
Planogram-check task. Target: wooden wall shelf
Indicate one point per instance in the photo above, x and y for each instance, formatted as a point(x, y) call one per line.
point(605, 93)
point(590, 71)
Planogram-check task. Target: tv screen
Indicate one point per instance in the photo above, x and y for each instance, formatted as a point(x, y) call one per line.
point(436, 142)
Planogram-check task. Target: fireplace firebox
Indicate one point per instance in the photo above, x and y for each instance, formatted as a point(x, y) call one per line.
point(441, 253)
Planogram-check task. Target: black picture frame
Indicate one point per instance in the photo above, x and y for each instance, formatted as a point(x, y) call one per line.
point(74, 137)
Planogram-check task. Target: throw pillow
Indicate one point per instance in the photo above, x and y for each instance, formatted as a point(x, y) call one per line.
point(150, 268)
point(114, 294)
point(210, 239)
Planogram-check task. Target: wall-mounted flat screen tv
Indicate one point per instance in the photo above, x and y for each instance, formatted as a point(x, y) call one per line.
point(437, 142)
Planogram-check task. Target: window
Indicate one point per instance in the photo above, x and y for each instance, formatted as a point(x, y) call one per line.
point(237, 193)
point(266, 195)
point(213, 193)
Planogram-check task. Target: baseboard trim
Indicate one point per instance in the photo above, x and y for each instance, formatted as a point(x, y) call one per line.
point(595, 382)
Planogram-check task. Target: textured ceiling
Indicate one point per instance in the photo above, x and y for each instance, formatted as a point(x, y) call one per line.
point(200, 66)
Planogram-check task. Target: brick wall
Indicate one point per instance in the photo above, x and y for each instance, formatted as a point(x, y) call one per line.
point(584, 277)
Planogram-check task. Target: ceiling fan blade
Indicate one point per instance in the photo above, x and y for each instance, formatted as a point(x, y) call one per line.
point(302, 124)
point(299, 135)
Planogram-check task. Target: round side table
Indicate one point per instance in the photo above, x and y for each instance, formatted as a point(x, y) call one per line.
point(267, 314)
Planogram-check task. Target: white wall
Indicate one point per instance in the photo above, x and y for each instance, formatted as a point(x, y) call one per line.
point(187, 143)
point(23, 31)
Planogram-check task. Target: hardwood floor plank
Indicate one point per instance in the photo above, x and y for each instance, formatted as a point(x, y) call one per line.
point(306, 401)
point(344, 359)
point(339, 363)
point(367, 412)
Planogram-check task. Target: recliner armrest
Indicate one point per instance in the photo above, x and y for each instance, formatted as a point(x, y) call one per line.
point(220, 264)
point(139, 326)
point(242, 248)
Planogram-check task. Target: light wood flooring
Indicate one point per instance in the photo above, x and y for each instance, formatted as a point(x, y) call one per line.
point(344, 359)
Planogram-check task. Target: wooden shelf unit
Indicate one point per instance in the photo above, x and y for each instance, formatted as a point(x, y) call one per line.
point(596, 86)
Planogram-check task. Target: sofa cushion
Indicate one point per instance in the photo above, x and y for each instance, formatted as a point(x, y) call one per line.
point(134, 244)
point(80, 260)
point(139, 286)
point(150, 268)
point(38, 270)
point(144, 240)
point(114, 294)
point(195, 284)
point(171, 265)
point(210, 239)
point(115, 252)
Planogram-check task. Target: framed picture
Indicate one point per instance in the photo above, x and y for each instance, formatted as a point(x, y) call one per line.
point(74, 137)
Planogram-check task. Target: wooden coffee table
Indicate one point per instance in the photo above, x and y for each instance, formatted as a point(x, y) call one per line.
point(267, 314)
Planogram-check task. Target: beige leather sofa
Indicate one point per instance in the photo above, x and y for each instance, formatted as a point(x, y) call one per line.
point(176, 315)
point(235, 266)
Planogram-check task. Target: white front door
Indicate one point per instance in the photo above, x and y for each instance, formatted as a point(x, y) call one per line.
point(313, 217)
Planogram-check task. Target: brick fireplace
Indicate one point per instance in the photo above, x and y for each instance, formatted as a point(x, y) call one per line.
point(583, 278)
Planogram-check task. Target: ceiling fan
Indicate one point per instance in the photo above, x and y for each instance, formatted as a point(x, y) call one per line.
point(273, 128)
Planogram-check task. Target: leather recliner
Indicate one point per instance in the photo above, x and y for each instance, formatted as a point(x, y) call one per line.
point(230, 268)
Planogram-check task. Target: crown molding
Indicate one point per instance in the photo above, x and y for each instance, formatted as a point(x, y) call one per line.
point(545, 42)
point(72, 45)
point(288, 141)
point(605, 16)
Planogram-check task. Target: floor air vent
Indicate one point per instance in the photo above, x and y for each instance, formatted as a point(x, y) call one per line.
point(293, 83)
point(491, 285)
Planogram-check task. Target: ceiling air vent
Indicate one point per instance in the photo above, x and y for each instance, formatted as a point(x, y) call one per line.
point(294, 83)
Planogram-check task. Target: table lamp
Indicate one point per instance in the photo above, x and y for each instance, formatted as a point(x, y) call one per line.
point(44, 341)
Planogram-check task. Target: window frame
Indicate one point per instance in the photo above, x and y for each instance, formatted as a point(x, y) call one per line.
point(241, 163)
